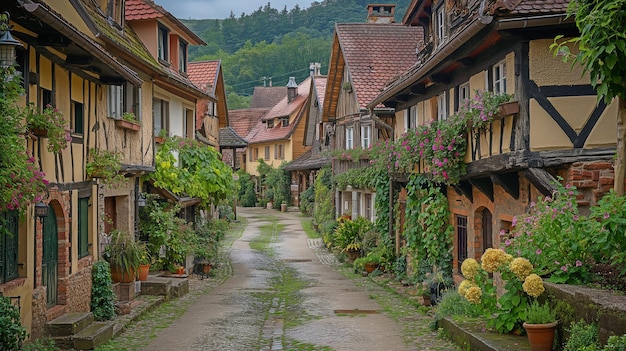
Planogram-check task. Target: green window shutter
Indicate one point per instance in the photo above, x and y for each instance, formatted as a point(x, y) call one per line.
point(8, 245)
point(83, 227)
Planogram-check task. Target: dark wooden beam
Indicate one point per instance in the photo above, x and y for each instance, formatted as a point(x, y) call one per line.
point(508, 181)
point(542, 180)
point(419, 89)
point(484, 185)
point(466, 62)
point(79, 60)
point(440, 78)
point(402, 98)
point(464, 188)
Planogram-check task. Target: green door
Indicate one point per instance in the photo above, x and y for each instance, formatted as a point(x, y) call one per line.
point(50, 257)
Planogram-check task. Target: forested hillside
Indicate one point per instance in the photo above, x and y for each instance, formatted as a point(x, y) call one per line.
point(274, 43)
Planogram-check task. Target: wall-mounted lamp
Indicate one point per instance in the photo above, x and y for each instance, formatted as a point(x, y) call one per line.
point(41, 210)
point(7, 42)
point(141, 200)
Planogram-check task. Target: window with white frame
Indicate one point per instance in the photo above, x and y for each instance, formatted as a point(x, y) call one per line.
point(160, 112)
point(115, 11)
point(442, 109)
point(410, 118)
point(124, 98)
point(162, 44)
point(366, 136)
point(267, 152)
point(441, 25)
point(464, 93)
point(349, 138)
point(499, 77)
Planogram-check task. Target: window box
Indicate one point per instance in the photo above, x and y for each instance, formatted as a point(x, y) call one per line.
point(509, 108)
point(159, 140)
point(124, 124)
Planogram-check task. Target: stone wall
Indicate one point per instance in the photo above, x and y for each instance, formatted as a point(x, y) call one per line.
point(39, 313)
point(79, 291)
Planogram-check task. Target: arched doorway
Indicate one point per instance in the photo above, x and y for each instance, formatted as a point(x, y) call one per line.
point(50, 257)
point(483, 229)
point(487, 229)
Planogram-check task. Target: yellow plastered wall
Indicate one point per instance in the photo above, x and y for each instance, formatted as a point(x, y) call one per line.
point(545, 69)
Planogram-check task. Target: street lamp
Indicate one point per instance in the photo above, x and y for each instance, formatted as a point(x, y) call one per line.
point(7, 42)
point(41, 210)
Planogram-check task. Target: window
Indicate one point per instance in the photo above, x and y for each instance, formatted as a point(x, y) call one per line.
point(285, 121)
point(366, 136)
point(255, 154)
point(115, 11)
point(78, 118)
point(267, 152)
point(461, 234)
point(410, 118)
point(188, 123)
point(8, 245)
point(464, 93)
point(279, 152)
point(46, 98)
point(124, 98)
point(160, 113)
point(499, 77)
point(162, 45)
point(442, 110)
point(83, 227)
point(349, 138)
point(441, 26)
point(211, 109)
point(182, 57)
point(270, 123)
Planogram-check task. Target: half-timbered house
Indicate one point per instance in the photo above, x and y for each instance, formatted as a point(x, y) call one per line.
point(364, 57)
point(557, 130)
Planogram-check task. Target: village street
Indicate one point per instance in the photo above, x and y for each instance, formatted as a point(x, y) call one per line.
point(283, 292)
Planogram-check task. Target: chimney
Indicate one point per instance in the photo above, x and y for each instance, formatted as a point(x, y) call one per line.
point(381, 13)
point(314, 68)
point(292, 89)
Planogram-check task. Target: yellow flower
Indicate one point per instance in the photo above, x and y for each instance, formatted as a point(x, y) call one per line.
point(466, 284)
point(533, 285)
point(473, 294)
point(493, 259)
point(469, 268)
point(521, 267)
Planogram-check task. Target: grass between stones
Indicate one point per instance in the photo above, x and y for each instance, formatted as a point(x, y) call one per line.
point(311, 233)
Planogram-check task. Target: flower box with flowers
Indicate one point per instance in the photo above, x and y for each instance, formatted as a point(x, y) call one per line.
point(128, 121)
point(51, 124)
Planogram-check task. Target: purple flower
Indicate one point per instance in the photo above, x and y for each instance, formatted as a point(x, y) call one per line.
point(564, 268)
point(532, 204)
point(606, 215)
point(578, 263)
point(538, 252)
point(507, 242)
point(514, 223)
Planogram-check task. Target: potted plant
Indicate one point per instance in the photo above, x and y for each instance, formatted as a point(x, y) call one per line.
point(540, 325)
point(124, 255)
point(370, 262)
point(144, 265)
point(128, 121)
point(105, 164)
point(49, 123)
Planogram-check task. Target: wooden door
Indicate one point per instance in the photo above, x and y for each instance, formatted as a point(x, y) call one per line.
point(50, 260)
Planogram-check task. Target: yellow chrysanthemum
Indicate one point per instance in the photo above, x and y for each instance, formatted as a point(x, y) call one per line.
point(469, 268)
point(493, 259)
point(466, 284)
point(508, 258)
point(473, 294)
point(521, 267)
point(533, 285)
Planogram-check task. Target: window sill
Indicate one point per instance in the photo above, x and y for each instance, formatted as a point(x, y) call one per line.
point(11, 284)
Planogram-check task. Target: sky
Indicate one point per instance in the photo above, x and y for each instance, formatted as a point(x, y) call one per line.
point(202, 9)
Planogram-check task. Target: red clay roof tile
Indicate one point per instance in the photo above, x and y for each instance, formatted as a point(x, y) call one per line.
point(203, 74)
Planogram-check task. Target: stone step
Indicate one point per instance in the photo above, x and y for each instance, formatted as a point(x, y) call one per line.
point(69, 324)
point(158, 286)
point(180, 287)
point(93, 336)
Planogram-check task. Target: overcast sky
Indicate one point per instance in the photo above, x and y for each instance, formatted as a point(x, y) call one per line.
point(201, 9)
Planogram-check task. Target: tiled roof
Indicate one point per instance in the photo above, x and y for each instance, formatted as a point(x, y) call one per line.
point(320, 88)
point(140, 10)
point(260, 133)
point(375, 53)
point(285, 107)
point(267, 97)
point(312, 159)
point(203, 74)
point(228, 138)
point(244, 119)
point(538, 7)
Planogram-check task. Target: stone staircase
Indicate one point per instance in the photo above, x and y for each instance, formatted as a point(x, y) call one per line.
point(79, 331)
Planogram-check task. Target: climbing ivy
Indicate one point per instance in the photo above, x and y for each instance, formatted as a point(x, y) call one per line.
point(102, 295)
point(428, 231)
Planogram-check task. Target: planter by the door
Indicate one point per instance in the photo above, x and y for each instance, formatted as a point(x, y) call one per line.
point(540, 336)
point(142, 274)
point(119, 275)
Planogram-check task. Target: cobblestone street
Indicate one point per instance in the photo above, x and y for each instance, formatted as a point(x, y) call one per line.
point(274, 289)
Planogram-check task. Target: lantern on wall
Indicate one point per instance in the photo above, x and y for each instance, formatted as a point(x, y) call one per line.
point(7, 42)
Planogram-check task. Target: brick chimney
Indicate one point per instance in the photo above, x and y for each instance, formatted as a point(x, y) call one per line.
point(381, 13)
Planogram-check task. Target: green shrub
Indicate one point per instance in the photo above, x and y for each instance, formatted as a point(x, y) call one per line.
point(616, 343)
point(12, 333)
point(581, 335)
point(307, 201)
point(43, 344)
point(102, 296)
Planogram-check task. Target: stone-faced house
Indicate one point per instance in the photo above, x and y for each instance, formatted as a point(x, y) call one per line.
point(364, 57)
point(47, 263)
point(558, 131)
point(277, 136)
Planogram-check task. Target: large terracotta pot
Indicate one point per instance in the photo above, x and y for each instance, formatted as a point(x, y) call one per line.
point(370, 267)
point(119, 275)
point(142, 274)
point(540, 336)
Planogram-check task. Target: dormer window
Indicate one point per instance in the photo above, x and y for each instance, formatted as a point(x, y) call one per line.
point(270, 123)
point(440, 22)
point(115, 11)
point(182, 57)
point(162, 44)
point(285, 121)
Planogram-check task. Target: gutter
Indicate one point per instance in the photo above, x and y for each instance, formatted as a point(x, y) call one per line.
point(534, 21)
point(54, 21)
point(461, 38)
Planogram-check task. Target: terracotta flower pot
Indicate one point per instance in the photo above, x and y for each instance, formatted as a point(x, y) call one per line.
point(119, 275)
point(142, 274)
point(206, 268)
point(540, 336)
point(370, 267)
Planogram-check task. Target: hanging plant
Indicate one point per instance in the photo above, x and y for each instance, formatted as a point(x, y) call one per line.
point(105, 164)
point(49, 123)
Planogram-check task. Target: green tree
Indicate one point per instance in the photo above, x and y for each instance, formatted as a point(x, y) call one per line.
point(601, 52)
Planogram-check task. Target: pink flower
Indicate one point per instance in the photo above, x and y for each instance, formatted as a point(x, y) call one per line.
point(538, 252)
point(532, 204)
point(507, 242)
point(564, 268)
point(606, 215)
point(578, 263)
point(514, 223)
